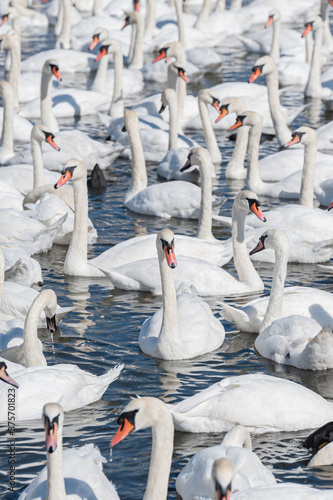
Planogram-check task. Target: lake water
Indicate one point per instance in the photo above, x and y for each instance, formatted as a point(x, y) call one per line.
point(103, 329)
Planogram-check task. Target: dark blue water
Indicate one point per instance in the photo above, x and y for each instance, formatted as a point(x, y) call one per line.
point(103, 330)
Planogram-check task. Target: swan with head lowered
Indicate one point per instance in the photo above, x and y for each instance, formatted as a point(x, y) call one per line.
point(141, 413)
point(70, 471)
point(292, 340)
point(40, 383)
point(321, 444)
point(234, 452)
point(205, 277)
point(185, 326)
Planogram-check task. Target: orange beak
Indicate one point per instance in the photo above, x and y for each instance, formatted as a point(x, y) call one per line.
point(258, 248)
point(308, 28)
point(4, 20)
point(51, 437)
point(255, 74)
point(50, 140)
point(269, 22)
point(331, 2)
point(238, 124)
point(170, 256)
point(216, 104)
point(94, 42)
point(102, 52)
point(182, 75)
point(223, 112)
point(137, 6)
point(123, 431)
point(63, 179)
point(295, 140)
point(56, 73)
point(257, 211)
point(7, 378)
point(160, 56)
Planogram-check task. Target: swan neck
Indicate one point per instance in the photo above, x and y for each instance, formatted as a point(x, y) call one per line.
point(275, 49)
point(204, 14)
point(64, 39)
point(14, 73)
point(274, 308)
point(137, 61)
point(117, 104)
point(238, 436)
point(244, 267)
point(7, 135)
point(254, 181)
point(37, 158)
point(235, 167)
point(313, 85)
point(173, 122)
point(2, 271)
point(46, 111)
point(139, 180)
point(209, 134)
point(204, 231)
point(160, 462)
point(307, 185)
point(99, 83)
point(55, 478)
point(77, 254)
point(33, 353)
point(150, 19)
point(281, 128)
point(180, 22)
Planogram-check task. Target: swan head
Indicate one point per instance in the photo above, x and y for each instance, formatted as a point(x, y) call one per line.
point(320, 437)
point(40, 133)
point(230, 105)
point(305, 135)
point(141, 413)
point(173, 49)
point(275, 239)
point(200, 157)
point(208, 97)
point(247, 118)
point(50, 299)
point(134, 17)
point(4, 375)
point(51, 67)
point(223, 473)
point(168, 96)
point(108, 46)
point(8, 41)
point(165, 245)
point(273, 16)
point(130, 120)
point(181, 73)
point(248, 201)
point(263, 66)
point(74, 169)
point(313, 22)
point(53, 420)
point(100, 34)
point(10, 14)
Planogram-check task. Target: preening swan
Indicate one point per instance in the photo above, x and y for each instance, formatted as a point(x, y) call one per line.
point(185, 326)
point(141, 413)
point(293, 340)
point(70, 471)
point(259, 402)
point(321, 444)
point(247, 471)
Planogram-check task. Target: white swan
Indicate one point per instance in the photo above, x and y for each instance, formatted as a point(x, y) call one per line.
point(261, 403)
point(185, 326)
point(194, 480)
point(283, 491)
point(4, 375)
point(70, 471)
point(141, 413)
point(293, 340)
point(206, 278)
point(16, 125)
point(39, 383)
point(321, 445)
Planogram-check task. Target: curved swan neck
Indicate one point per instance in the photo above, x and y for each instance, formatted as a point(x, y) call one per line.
point(308, 48)
point(99, 83)
point(236, 163)
point(169, 339)
point(139, 179)
point(150, 19)
point(37, 158)
point(171, 99)
point(7, 135)
point(313, 85)
point(244, 267)
point(180, 22)
point(117, 105)
point(275, 48)
point(77, 251)
point(307, 185)
point(64, 39)
point(33, 353)
point(238, 436)
point(137, 61)
point(46, 110)
point(208, 130)
point(274, 308)
point(161, 456)
point(204, 230)
point(14, 73)
point(204, 14)
point(281, 128)
point(254, 181)
point(55, 478)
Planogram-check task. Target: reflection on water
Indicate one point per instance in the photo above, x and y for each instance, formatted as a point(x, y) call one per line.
point(103, 328)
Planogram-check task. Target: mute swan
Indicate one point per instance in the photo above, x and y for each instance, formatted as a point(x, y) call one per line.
point(320, 442)
point(194, 480)
point(293, 340)
point(283, 491)
point(16, 124)
point(169, 334)
point(77, 470)
point(70, 61)
point(206, 278)
point(4, 375)
point(261, 403)
point(141, 413)
point(39, 383)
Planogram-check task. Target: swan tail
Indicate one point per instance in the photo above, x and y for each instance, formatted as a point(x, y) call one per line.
point(319, 351)
point(234, 315)
point(110, 376)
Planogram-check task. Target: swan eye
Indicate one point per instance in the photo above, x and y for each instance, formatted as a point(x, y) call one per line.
point(127, 415)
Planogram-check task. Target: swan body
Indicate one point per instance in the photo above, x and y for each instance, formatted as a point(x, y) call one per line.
point(169, 334)
point(194, 480)
point(206, 278)
point(70, 61)
point(259, 402)
point(75, 470)
point(284, 491)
